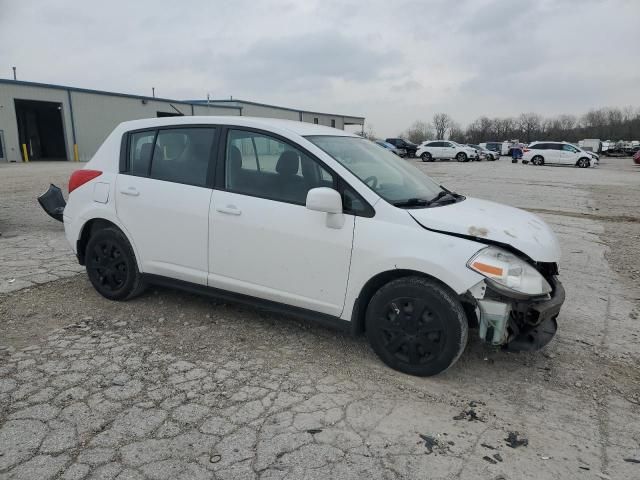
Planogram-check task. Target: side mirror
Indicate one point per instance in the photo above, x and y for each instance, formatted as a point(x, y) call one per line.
point(327, 200)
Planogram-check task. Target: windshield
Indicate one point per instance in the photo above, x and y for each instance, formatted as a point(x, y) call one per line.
point(388, 175)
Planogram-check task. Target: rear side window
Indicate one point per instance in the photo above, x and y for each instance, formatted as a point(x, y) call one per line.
point(140, 149)
point(539, 146)
point(182, 155)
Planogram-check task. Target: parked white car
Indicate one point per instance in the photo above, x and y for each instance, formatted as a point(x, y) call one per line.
point(484, 152)
point(315, 222)
point(445, 150)
point(563, 153)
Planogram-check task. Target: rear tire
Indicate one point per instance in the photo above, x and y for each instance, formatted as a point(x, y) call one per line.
point(461, 157)
point(426, 157)
point(537, 161)
point(111, 265)
point(416, 326)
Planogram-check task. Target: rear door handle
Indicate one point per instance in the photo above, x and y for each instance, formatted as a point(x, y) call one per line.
point(229, 210)
point(132, 191)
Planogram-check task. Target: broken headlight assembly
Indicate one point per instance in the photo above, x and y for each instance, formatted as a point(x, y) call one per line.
point(509, 273)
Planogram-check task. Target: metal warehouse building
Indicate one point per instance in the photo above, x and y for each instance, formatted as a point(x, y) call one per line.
point(53, 122)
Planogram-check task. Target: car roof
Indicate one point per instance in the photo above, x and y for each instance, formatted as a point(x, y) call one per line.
point(274, 124)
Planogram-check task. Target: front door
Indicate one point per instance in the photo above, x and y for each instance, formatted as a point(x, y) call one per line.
point(264, 242)
point(163, 201)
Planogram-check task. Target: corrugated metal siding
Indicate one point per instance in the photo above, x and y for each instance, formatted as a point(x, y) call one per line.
point(95, 115)
point(323, 119)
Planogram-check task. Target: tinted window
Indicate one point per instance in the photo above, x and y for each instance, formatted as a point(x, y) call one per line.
point(554, 146)
point(182, 155)
point(266, 167)
point(140, 149)
point(432, 144)
point(569, 148)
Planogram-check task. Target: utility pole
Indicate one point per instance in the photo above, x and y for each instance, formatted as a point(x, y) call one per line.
point(153, 92)
point(14, 73)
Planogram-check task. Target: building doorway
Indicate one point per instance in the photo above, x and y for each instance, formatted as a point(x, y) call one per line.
point(40, 129)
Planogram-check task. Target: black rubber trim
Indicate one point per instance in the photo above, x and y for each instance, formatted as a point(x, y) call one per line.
point(329, 321)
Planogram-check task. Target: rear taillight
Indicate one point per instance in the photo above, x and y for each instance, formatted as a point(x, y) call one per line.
point(526, 150)
point(80, 177)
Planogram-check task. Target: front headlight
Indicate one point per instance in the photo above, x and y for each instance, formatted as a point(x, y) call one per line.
point(509, 271)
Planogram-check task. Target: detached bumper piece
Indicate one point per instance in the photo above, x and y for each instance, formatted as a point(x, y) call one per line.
point(53, 202)
point(519, 324)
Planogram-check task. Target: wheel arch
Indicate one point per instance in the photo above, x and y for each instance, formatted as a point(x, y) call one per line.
point(93, 225)
point(374, 284)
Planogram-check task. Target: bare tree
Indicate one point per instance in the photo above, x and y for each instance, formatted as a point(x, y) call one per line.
point(368, 133)
point(456, 133)
point(441, 124)
point(529, 124)
point(418, 132)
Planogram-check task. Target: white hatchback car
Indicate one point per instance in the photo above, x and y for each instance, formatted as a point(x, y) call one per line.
point(539, 153)
point(445, 150)
point(315, 222)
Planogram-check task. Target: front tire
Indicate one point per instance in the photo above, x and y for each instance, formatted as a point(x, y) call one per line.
point(416, 326)
point(583, 163)
point(111, 265)
point(426, 157)
point(461, 157)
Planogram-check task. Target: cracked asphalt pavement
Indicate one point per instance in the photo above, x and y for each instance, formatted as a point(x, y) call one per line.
point(176, 386)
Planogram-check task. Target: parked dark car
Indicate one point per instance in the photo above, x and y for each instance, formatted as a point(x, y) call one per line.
point(403, 144)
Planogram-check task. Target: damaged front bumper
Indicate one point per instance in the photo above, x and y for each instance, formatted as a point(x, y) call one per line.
point(518, 323)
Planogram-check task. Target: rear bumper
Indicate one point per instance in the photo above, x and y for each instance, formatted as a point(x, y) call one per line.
point(52, 202)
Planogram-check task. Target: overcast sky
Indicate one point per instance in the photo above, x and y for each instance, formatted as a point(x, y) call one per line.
point(392, 61)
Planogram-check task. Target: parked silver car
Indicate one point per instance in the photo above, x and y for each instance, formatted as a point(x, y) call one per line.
point(401, 152)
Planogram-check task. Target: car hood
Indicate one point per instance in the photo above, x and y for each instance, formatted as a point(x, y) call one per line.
point(492, 222)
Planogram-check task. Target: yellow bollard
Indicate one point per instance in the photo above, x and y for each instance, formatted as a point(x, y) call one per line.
point(76, 157)
point(25, 158)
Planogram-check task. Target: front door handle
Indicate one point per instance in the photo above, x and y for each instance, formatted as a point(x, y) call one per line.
point(229, 210)
point(132, 191)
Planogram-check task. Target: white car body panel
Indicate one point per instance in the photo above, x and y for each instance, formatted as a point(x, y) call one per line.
point(169, 222)
point(495, 222)
point(285, 252)
point(278, 251)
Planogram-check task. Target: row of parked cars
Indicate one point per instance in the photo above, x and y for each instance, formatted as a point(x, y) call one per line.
point(536, 153)
point(431, 150)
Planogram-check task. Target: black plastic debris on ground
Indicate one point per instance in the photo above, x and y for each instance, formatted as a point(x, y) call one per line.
point(498, 457)
point(429, 442)
point(631, 460)
point(515, 441)
point(434, 445)
point(313, 431)
point(486, 445)
point(489, 459)
point(470, 415)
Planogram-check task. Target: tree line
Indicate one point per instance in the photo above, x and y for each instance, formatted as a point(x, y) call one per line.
point(603, 123)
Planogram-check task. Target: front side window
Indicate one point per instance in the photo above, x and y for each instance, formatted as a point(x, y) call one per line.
point(569, 148)
point(140, 150)
point(182, 155)
point(263, 166)
point(386, 174)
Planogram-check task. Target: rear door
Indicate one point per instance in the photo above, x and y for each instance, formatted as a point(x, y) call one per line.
point(162, 199)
